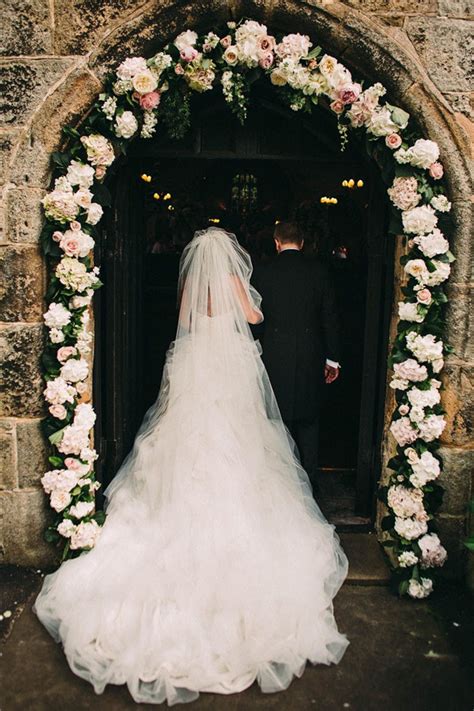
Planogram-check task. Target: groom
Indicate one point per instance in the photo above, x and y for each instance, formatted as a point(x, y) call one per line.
point(300, 338)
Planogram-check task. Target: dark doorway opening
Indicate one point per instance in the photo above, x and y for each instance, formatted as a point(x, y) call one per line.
point(279, 164)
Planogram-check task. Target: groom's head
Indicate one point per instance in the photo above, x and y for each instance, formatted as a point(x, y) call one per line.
point(287, 236)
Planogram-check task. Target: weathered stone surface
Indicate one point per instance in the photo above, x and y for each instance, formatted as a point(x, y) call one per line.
point(456, 8)
point(79, 26)
point(458, 401)
point(462, 102)
point(8, 455)
point(23, 85)
point(21, 346)
point(458, 469)
point(27, 27)
point(452, 531)
point(8, 140)
point(23, 285)
point(32, 451)
point(23, 214)
point(25, 516)
point(459, 318)
point(462, 246)
point(66, 105)
point(448, 62)
point(415, 7)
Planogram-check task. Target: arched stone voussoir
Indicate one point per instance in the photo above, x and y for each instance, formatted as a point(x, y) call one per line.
point(145, 33)
point(67, 104)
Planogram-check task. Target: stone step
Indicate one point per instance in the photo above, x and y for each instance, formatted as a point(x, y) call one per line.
point(367, 564)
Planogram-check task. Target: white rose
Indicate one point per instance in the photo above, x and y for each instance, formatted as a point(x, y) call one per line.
point(76, 243)
point(83, 198)
point(82, 509)
point(411, 370)
point(75, 369)
point(417, 269)
point(126, 125)
point(81, 174)
point(85, 535)
point(144, 82)
point(84, 415)
point(57, 316)
point(186, 39)
point(59, 500)
point(419, 220)
point(78, 302)
point(440, 274)
point(420, 590)
point(88, 454)
point(433, 243)
point(424, 153)
point(74, 440)
point(432, 427)
point(57, 392)
point(440, 203)
point(410, 528)
point(423, 398)
point(425, 348)
point(94, 213)
point(231, 55)
point(56, 335)
point(381, 124)
point(66, 528)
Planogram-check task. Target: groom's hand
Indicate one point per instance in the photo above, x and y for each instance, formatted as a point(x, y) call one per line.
point(330, 373)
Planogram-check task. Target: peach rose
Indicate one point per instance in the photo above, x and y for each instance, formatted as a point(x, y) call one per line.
point(226, 41)
point(393, 141)
point(58, 411)
point(149, 101)
point(266, 44)
point(337, 106)
point(179, 70)
point(436, 170)
point(100, 172)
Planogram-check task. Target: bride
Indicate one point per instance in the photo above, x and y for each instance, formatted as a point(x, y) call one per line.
point(215, 566)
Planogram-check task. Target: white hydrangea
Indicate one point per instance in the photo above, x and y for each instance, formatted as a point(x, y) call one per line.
point(419, 220)
point(84, 415)
point(94, 213)
point(381, 123)
point(126, 125)
point(440, 274)
point(74, 440)
point(66, 528)
point(131, 66)
point(109, 107)
point(424, 398)
point(57, 316)
point(420, 590)
point(74, 274)
point(403, 431)
point(421, 155)
point(432, 427)
point(410, 528)
point(56, 335)
point(433, 243)
point(406, 559)
point(59, 480)
point(405, 502)
point(433, 554)
point(85, 535)
point(88, 455)
point(59, 204)
point(410, 370)
point(409, 312)
point(427, 349)
point(425, 468)
point(81, 174)
point(99, 150)
point(185, 40)
point(57, 392)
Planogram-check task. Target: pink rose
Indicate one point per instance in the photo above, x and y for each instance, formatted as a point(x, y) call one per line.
point(70, 245)
point(149, 101)
point(436, 170)
point(424, 297)
point(348, 94)
point(337, 106)
point(65, 352)
point(393, 141)
point(226, 41)
point(100, 172)
point(312, 64)
point(188, 54)
point(57, 236)
point(58, 411)
point(178, 69)
point(75, 225)
point(266, 60)
point(266, 44)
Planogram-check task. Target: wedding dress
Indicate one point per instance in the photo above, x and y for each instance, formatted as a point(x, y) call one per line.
point(215, 566)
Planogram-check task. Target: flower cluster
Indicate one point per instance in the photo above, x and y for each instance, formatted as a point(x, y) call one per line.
point(141, 96)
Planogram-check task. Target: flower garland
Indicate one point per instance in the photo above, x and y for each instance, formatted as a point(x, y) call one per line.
point(140, 96)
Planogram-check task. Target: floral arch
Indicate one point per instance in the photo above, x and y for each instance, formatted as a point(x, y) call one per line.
point(142, 95)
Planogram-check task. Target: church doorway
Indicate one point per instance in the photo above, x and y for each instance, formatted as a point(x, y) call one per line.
point(279, 165)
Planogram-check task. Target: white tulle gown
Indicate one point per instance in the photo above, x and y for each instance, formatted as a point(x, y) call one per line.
point(215, 566)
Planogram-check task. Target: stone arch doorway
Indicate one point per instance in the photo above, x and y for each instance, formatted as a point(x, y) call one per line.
point(276, 166)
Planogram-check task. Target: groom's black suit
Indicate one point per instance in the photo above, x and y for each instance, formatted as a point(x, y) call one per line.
point(300, 332)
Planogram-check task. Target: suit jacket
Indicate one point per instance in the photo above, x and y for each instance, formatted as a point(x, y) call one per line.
point(300, 330)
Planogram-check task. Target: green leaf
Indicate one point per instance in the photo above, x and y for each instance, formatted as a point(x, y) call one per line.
point(469, 543)
point(314, 53)
point(56, 437)
point(403, 587)
point(56, 462)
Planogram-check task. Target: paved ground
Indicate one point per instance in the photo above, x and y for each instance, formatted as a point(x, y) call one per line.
point(403, 655)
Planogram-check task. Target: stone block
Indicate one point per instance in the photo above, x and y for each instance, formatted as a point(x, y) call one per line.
point(463, 103)
point(23, 214)
point(456, 8)
point(9, 137)
point(27, 27)
point(33, 450)
point(459, 319)
point(66, 105)
point(458, 401)
point(462, 245)
point(21, 346)
point(24, 85)
point(23, 284)
point(8, 455)
point(415, 7)
point(458, 470)
point(79, 26)
point(25, 516)
point(448, 62)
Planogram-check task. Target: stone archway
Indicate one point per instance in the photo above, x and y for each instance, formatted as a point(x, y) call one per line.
point(364, 43)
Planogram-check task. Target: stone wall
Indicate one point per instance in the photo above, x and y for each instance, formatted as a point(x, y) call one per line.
point(54, 53)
